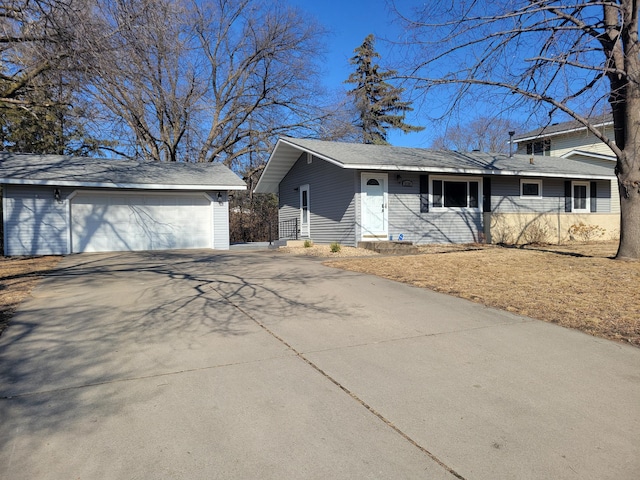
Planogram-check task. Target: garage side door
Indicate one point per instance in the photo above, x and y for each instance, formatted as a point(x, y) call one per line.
point(105, 222)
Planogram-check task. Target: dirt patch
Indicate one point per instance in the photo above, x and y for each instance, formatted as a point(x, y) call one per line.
point(18, 276)
point(576, 286)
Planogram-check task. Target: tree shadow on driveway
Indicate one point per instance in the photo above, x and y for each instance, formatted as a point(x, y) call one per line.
point(108, 318)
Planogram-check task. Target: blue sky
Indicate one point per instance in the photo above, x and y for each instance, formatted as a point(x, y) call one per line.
point(349, 22)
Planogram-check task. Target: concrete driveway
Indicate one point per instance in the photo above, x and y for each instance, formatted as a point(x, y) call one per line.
point(257, 365)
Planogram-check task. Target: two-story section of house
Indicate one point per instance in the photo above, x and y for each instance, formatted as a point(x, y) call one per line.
point(572, 140)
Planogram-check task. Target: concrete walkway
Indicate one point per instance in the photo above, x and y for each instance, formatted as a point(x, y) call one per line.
point(203, 365)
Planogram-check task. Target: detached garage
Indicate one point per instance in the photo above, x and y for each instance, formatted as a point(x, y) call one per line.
point(59, 205)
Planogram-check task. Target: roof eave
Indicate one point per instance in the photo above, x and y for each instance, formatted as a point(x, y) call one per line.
point(584, 153)
point(561, 132)
point(138, 186)
point(479, 171)
point(269, 180)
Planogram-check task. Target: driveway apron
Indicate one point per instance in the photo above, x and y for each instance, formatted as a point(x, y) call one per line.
point(198, 364)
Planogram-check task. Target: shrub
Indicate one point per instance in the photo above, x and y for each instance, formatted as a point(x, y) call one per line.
point(501, 231)
point(586, 233)
point(536, 232)
point(335, 247)
point(308, 244)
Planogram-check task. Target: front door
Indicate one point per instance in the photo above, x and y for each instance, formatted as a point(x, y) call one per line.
point(374, 206)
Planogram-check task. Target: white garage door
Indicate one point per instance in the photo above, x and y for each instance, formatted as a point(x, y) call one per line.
point(107, 222)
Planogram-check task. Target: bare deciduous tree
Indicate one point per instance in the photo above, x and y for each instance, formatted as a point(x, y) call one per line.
point(37, 37)
point(556, 54)
point(484, 134)
point(146, 77)
point(217, 82)
point(46, 49)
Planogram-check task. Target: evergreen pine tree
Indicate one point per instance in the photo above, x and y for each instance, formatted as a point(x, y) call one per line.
point(378, 103)
point(45, 123)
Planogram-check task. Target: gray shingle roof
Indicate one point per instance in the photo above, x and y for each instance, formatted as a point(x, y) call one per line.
point(95, 172)
point(383, 157)
point(560, 128)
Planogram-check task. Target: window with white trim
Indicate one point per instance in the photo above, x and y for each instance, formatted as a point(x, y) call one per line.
point(455, 193)
point(541, 147)
point(530, 188)
point(580, 197)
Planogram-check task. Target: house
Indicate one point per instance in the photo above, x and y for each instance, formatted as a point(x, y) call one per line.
point(573, 140)
point(352, 193)
point(567, 140)
point(56, 205)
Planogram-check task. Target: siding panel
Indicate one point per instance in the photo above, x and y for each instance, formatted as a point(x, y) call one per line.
point(427, 227)
point(34, 222)
point(613, 184)
point(331, 199)
point(582, 140)
point(505, 196)
point(220, 221)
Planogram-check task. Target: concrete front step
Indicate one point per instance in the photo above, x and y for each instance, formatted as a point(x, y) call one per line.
point(390, 247)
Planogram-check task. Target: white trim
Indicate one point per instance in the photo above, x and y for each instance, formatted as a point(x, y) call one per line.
point(139, 192)
point(215, 210)
point(139, 186)
point(307, 234)
point(537, 181)
point(5, 209)
point(450, 178)
point(70, 197)
point(307, 151)
point(364, 178)
point(587, 208)
point(474, 171)
point(584, 153)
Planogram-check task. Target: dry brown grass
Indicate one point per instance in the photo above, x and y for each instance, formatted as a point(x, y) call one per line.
point(576, 286)
point(18, 276)
point(325, 251)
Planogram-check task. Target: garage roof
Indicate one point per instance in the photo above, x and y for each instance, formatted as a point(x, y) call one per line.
point(28, 169)
point(385, 157)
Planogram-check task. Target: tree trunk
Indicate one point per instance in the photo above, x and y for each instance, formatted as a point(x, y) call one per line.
point(625, 103)
point(629, 184)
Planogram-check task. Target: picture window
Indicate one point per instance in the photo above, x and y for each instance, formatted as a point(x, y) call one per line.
point(458, 193)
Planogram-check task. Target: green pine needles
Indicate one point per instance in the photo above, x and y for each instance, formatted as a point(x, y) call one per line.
point(378, 103)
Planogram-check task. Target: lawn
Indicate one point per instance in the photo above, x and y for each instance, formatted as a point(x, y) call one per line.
point(576, 286)
point(18, 276)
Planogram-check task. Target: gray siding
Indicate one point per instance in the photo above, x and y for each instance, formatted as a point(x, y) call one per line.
point(220, 221)
point(428, 227)
point(334, 199)
point(34, 222)
point(331, 199)
point(505, 196)
point(604, 201)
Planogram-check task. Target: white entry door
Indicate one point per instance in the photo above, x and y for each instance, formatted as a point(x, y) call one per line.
point(374, 206)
